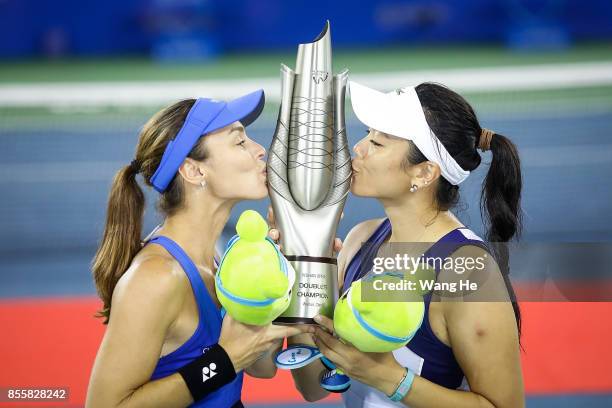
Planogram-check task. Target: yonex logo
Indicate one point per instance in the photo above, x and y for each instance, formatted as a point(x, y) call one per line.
point(209, 372)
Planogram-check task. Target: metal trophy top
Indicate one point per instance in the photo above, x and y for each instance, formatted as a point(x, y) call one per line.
point(309, 165)
point(310, 159)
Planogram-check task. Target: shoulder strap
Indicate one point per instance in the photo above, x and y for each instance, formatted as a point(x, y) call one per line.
point(453, 241)
point(203, 299)
point(362, 261)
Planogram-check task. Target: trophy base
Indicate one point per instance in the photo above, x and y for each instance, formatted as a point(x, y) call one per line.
point(294, 320)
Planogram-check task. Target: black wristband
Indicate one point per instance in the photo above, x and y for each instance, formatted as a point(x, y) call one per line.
point(208, 373)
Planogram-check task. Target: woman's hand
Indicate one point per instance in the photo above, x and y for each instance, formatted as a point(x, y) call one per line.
point(378, 370)
point(274, 234)
point(244, 343)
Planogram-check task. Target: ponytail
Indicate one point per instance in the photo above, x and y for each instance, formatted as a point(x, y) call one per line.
point(500, 204)
point(455, 124)
point(121, 239)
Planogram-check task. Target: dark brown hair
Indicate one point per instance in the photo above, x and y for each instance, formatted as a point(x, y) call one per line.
point(455, 124)
point(121, 240)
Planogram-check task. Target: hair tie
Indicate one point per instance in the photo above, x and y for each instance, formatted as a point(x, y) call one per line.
point(484, 142)
point(135, 166)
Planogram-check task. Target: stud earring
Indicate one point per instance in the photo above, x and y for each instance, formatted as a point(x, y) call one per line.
point(414, 188)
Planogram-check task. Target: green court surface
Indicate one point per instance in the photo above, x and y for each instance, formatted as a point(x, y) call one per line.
point(267, 64)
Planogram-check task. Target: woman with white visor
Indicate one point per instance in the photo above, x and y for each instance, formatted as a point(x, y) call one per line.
point(422, 142)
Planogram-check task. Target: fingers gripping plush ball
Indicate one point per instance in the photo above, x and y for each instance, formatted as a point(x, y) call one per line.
point(376, 326)
point(254, 280)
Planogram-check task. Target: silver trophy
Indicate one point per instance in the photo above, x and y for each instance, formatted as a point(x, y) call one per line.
point(309, 175)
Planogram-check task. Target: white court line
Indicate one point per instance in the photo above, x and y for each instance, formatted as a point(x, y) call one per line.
point(147, 93)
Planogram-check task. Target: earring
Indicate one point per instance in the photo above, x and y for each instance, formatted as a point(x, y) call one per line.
point(414, 188)
point(203, 184)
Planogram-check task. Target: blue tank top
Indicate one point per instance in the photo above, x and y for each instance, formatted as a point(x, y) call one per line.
point(436, 360)
point(206, 334)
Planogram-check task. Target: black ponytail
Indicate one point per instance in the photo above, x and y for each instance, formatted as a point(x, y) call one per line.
point(455, 124)
point(500, 205)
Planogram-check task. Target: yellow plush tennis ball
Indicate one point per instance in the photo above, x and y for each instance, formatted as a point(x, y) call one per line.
point(254, 279)
point(376, 326)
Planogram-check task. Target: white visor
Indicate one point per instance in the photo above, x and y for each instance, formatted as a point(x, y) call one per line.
point(399, 113)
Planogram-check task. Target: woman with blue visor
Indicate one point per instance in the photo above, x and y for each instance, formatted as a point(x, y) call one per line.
point(166, 342)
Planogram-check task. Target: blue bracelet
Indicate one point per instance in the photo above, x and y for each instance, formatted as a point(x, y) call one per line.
point(403, 387)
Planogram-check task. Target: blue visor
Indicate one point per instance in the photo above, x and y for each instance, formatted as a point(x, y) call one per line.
point(206, 116)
